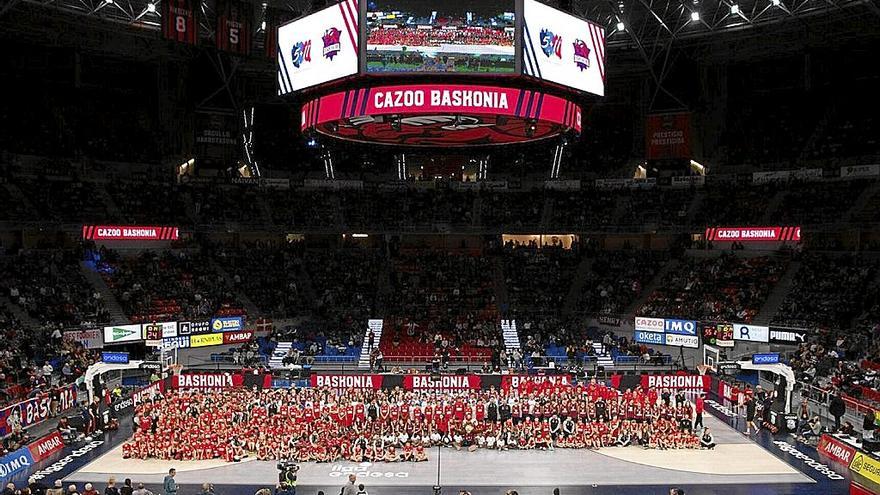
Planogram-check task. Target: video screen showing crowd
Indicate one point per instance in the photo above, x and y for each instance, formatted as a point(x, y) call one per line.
point(465, 37)
point(326, 425)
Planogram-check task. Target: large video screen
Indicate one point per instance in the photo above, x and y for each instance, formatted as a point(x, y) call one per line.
point(428, 36)
point(563, 49)
point(318, 48)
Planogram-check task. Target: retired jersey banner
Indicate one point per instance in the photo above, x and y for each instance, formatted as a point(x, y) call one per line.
point(344, 382)
point(753, 234)
point(696, 382)
point(129, 233)
point(668, 136)
point(235, 24)
point(441, 382)
point(180, 21)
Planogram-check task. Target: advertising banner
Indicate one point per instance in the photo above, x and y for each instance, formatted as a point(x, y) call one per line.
point(206, 340)
point(518, 382)
point(122, 334)
point(767, 358)
point(181, 342)
point(563, 49)
point(319, 48)
point(15, 462)
point(36, 410)
point(860, 171)
point(194, 327)
point(751, 333)
point(207, 381)
point(649, 324)
point(46, 446)
point(442, 382)
point(718, 334)
point(680, 327)
point(691, 341)
point(836, 450)
point(237, 337)
point(787, 336)
point(433, 99)
point(865, 465)
point(806, 174)
point(90, 339)
point(147, 393)
point(114, 357)
point(668, 136)
point(129, 233)
point(699, 382)
point(227, 324)
point(643, 337)
point(753, 234)
point(344, 382)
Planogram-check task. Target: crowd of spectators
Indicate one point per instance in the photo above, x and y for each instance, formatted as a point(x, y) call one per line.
point(726, 288)
point(539, 278)
point(148, 203)
point(813, 203)
point(402, 209)
point(268, 274)
point(828, 291)
point(617, 279)
point(167, 285)
point(587, 208)
point(48, 285)
point(414, 37)
point(731, 204)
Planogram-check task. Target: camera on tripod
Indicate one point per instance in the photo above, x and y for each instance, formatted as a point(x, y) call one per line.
point(287, 472)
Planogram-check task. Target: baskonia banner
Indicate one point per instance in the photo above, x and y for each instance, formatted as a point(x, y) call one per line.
point(36, 410)
point(129, 233)
point(753, 234)
point(693, 382)
point(535, 382)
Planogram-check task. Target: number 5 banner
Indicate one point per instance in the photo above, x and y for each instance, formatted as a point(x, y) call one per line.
point(234, 26)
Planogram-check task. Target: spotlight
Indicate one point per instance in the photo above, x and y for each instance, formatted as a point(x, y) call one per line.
point(621, 26)
point(151, 8)
point(776, 3)
point(395, 123)
point(734, 9)
point(695, 16)
point(263, 25)
point(531, 127)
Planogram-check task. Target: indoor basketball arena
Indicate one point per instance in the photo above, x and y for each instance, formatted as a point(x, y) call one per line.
point(403, 247)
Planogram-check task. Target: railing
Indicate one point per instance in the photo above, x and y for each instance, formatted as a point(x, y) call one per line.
point(823, 398)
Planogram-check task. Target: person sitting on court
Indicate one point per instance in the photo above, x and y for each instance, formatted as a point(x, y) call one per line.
point(707, 441)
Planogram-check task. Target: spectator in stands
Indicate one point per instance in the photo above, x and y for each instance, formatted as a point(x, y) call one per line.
point(126, 488)
point(89, 490)
point(111, 488)
point(57, 488)
point(141, 490)
point(837, 408)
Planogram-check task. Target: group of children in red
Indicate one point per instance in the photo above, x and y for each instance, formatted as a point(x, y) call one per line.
point(326, 425)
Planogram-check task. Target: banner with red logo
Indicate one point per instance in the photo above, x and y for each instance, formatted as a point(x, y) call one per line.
point(695, 382)
point(668, 136)
point(857, 489)
point(207, 381)
point(344, 382)
point(37, 409)
point(441, 382)
point(129, 233)
point(753, 234)
point(46, 446)
point(836, 450)
point(536, 382)
point(237, 337)
point(148, 392)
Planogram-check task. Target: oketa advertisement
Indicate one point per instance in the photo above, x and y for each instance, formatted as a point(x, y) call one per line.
point(654, 338)
point(319, 48)
point(563, 49)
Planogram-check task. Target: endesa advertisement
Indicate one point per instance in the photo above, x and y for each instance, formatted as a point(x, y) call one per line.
point(753, 234)
point(563, 49)
point(129, 233)
point(319, 48)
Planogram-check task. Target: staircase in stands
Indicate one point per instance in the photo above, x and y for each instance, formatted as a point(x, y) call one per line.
point(602, 358)
point(374, 326)
point(277, 357)
point(510, 334)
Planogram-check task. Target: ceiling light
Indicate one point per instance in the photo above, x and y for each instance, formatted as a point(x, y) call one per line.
point(734, 9)
point(695, 16)
point(151, 7)
point(621, 26)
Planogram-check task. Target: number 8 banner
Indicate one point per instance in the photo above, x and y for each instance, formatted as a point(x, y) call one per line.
point(179, 21)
